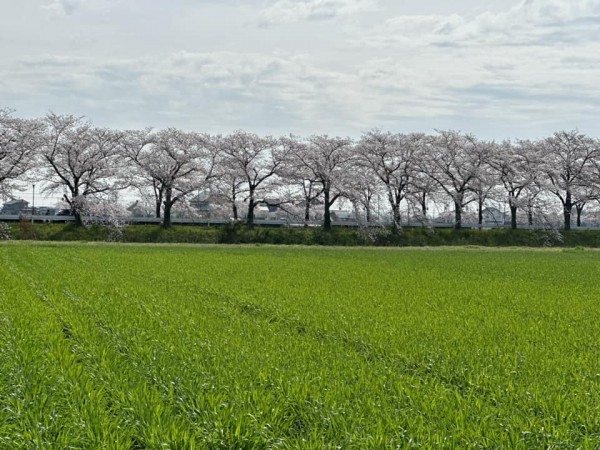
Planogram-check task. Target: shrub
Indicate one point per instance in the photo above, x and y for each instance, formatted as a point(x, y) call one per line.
point(239, 233)
point(5, 234)
point(26, 230)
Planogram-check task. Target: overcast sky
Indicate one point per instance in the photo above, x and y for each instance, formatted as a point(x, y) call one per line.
point(496, 68)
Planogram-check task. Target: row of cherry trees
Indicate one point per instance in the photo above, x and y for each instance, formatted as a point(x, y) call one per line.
point(71, 155)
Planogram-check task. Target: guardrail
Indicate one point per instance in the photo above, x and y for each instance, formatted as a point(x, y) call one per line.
point(40, 218)
point(35, 218)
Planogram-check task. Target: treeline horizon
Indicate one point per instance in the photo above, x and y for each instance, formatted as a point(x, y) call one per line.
point(89, 164)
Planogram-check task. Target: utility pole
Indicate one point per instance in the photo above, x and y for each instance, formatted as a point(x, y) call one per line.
point(33, 205)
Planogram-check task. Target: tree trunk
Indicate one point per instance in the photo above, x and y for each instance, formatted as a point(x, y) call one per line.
point(457, 215)
point(579, 209)
point(251, 206)
point(78, 218)
point(396, 217)
point(307, 212)
point(234, 210)
point(327, 214)
point(158, 198)
point(513, 217)
point(424, 205)
point(480, 213)
point(530, 216)
point(567, 215)
point(167, 215)
point(168, 204)
point(76, 205)
point(568, 207)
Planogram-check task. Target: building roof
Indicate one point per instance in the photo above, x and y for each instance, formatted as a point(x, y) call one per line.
point(16, 202)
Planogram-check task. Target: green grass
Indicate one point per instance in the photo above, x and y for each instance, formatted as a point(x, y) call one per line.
point(179, 347)
point(238, 233)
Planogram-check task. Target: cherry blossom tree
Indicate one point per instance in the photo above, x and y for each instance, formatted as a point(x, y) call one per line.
point(363, 188)
point(327, 161)
point(310, 190)
point(20, 141)
point(81, 160)
point(135, 142)
point(105, 212)
point(485, 185)
point(593, 190)
point(392, 159)
point(302, 182)
point(585, 194)
point(175, 163)
point(253, 160)
point(229, 187)
point(515, 166)
point(567, 158)
point(422, 191)
point(454, 161)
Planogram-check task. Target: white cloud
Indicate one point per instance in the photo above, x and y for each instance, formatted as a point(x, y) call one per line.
point(530, 22)
point(539, 22)
point(289, 11)
point(123, 64)
point(537, 62)
point(64, 6)
point(213, 92)
point(219, 92)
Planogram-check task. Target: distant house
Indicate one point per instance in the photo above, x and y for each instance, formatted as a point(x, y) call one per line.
point(14, 207)
point(45, 211)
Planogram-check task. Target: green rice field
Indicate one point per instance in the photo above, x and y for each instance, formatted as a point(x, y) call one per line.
point(206, 347)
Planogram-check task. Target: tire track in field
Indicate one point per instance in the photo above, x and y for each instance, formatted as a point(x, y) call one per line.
point(370, 353)
point(287, 321)
point(279, 317)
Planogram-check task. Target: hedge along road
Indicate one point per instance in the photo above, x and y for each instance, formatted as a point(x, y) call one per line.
point(127, 346)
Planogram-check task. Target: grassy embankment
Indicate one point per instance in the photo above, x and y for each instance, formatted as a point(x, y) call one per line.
point(239, 234)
